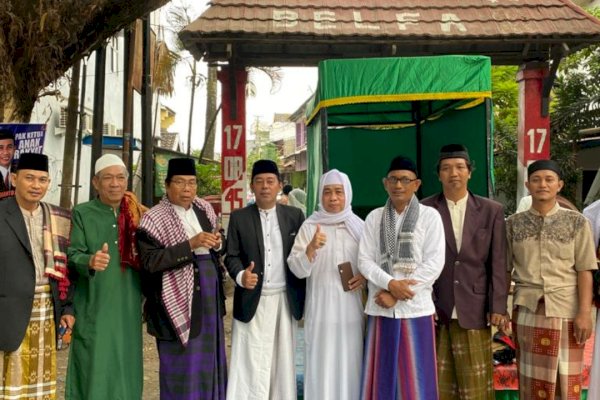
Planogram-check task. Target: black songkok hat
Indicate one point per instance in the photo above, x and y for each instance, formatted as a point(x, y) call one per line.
point(287, 189)
point(544, 164)
point(402, 163)
point(264, 167)
point(454, 151)
point(35, 161)
point(181, 166)
point(6, 134)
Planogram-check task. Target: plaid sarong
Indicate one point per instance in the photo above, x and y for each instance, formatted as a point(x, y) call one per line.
point(546, 348)
point(30, 371)
point(197, 371)
point(464, 363)
point(399, 359)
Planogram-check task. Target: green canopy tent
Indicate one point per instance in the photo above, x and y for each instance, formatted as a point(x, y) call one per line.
point(367, 111)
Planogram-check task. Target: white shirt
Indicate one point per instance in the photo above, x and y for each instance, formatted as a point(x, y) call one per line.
point(191, 225)
point(274, 272)
point(429, 251)
point(457, 216)
point(34, 221)
point(592, 213)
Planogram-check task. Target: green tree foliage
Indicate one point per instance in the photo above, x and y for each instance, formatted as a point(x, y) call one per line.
point(209, 179)
point(574, 106)
point(505, 96)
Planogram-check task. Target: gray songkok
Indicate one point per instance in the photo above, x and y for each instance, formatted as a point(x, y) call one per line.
point(454, 151)
point(544, 164)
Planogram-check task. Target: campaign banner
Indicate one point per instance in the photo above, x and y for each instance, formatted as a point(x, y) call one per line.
point(28, 138)
point(161, 164)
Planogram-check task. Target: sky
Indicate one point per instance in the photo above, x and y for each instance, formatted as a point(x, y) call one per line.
point(297, 85)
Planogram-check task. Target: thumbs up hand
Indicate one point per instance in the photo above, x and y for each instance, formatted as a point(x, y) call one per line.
point(319, 240)
point(249, 278)
point(99, 260)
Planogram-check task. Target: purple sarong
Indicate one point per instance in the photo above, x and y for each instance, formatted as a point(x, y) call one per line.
point(198, 371)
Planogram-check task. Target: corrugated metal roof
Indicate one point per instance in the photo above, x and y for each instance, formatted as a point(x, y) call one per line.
point(302, 32)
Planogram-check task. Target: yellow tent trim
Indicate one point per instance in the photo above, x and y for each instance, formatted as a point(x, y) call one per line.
point(478, 97)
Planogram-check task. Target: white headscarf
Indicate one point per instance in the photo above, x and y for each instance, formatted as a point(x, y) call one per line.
point(353, 223)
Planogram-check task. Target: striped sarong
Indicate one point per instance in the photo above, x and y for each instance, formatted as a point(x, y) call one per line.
point(400, 360)
point(30, 371)
point(464, 366)
point(199, 370)
point(546, 349)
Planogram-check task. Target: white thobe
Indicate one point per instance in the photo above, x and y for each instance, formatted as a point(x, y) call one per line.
point(333, 319)
point(262, 364)
point(592, 212)
point(429, 252)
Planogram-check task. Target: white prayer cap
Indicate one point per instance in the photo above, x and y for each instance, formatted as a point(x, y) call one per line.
point(108, 160)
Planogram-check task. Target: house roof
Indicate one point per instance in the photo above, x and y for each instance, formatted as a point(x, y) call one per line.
point(169, 140)
point(303, 32)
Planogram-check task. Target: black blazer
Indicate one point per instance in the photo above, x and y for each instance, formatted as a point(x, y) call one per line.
point(17, 279)
point(6, 192)
point(245, 244)
point(157, 259)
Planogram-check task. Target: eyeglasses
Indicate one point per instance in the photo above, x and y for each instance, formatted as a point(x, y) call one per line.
point(180, 184)
point(404, 180)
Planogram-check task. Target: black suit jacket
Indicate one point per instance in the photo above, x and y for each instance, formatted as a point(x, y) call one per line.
point(474, 279)
point(17, 279)
point(6, 192)
point(245, 244)
point(157, 259)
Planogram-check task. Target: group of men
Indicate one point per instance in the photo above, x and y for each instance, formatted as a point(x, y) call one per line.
point(438, 274)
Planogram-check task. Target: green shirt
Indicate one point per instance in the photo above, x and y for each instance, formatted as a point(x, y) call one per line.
point(105, 360)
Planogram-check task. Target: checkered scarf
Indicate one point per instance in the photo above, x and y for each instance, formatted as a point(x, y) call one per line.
point(56, 229)
point(163, 224)
point(396, 250)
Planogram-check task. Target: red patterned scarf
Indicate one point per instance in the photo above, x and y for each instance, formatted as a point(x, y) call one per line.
point(55, 231)
point(128, 221)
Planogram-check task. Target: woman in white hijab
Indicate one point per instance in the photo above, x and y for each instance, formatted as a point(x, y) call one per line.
point(334, 321)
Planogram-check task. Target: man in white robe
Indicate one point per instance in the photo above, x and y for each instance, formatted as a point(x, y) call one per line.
point(334, 319)
point(268, 298)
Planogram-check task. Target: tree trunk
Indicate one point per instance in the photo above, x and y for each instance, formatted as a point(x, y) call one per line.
point(208, 150)
point(70, 134)
point(41, 39)
point(193, 94)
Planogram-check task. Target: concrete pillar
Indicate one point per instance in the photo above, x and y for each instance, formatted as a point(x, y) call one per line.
point(533, 129)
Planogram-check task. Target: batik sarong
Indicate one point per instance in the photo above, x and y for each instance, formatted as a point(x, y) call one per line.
point(400, 360)
point(30, 371)
point(464, 364)
point(197, 371)
point(546, 348)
